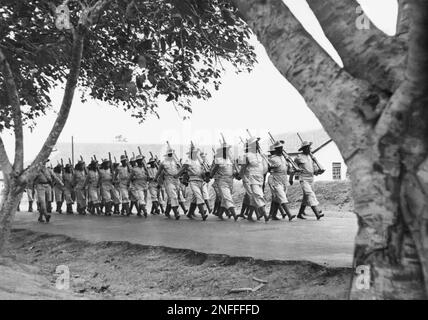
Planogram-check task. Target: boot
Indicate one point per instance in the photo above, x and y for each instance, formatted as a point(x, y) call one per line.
point(259, 215)
point(133, 203)
point(152, 210)
point(243, 209)
point(301, 212)
point(202, 211)
point(156, 207)
point(48, 207)
point(41, 218)
point(176, 213)
point(168, 210)
point(191, 211)
point(287, 211)
point(69, 208)
point(125, 209)
point(108, 206)
point(274, 210)
point(251, 209)
point(30, 206)
point(220, 212)
point(318, 213)
point(98, 209)
point(102, 205)
point(38, 206)
point(161, 208)
point(143, 209)
point(83, 211)
point(183, 207)
point(217, 204)
point(116, 208)
point(207, 203)
point(91, 208)
point(263, 213)
point(138, 206)
point(233, 213)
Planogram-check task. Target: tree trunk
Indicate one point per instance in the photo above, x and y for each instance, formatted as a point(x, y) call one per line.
point(382, 137)
point(9, 203)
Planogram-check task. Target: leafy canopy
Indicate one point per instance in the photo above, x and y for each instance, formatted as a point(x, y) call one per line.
point(138, 53)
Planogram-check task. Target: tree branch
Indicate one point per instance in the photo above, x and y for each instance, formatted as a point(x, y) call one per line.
point(339, 101)
point(6, 166)
point(12, 92)
point(76, 58)
point(367, 54)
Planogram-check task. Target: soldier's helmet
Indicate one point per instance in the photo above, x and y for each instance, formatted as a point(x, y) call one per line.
point(151, 160)
point(305, 144)
point(132, 159)
point(139, 157)
point(123, 158)
point(276, 145)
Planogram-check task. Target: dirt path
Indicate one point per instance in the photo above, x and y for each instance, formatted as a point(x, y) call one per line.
point(120, 270)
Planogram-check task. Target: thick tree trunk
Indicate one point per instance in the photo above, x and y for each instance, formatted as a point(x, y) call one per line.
point(383, 139)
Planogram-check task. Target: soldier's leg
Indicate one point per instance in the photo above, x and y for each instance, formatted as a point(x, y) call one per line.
point(172, 192)
point(153, 190)
point(206, 196)
point(48, 193)
point(125, 199)
point(259, 200)
point(196, 188)
point(106, 196)
point(311, 198)
point(41, 199)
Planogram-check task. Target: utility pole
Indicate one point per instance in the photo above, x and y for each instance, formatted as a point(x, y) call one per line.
point(72, 150)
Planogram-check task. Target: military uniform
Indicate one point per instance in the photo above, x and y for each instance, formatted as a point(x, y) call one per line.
point(123, 177)
point(92, 182)
point(79, 179)
point(306, 178)
point(68, 190)
point(108, 191)
point(224, 181)
point(139, 186)
point(43, 182)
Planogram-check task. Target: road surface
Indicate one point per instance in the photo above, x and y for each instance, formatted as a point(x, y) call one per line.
point(329, 241)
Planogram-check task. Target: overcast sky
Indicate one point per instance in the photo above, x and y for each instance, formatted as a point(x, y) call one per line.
point(262, 100)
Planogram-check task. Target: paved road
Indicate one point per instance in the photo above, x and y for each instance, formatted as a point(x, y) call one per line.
point(329, 241)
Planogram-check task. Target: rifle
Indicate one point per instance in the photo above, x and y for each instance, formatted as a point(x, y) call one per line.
point(145, 165)
point(259, 150)
point(111, 164)
point(321, 169)
point(286, 156)
point(156, 163)
point(127, 162)
point(174, 155)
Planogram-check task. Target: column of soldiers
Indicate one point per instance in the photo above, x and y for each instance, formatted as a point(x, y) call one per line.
point(108, 188)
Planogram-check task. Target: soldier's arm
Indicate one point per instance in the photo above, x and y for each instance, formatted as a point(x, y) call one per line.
point(214, 169)
point(159, 172)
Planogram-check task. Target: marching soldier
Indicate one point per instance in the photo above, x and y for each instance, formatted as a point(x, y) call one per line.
point(153, 185)
point(222, 170)
point(168, 169)
point(68, 188)
point(43, 182)
point(205, 185)
point(196, 174)
point(79, 179)
point(123, 178)
point(252, 173)
point(108, 191)
point(58, 189)
point(92, 183)
point(132, 198)
point(278, 168)
point(306, 178)
point(139, 185)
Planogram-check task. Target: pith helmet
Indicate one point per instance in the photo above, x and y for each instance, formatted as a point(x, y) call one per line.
point(123, 157)
point(305, 144)
point(139, 157)
point(276, 145)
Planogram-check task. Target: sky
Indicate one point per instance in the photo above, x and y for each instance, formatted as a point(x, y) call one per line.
point(261, 101)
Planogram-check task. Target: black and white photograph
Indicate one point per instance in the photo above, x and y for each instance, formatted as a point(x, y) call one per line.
point(213, 155)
